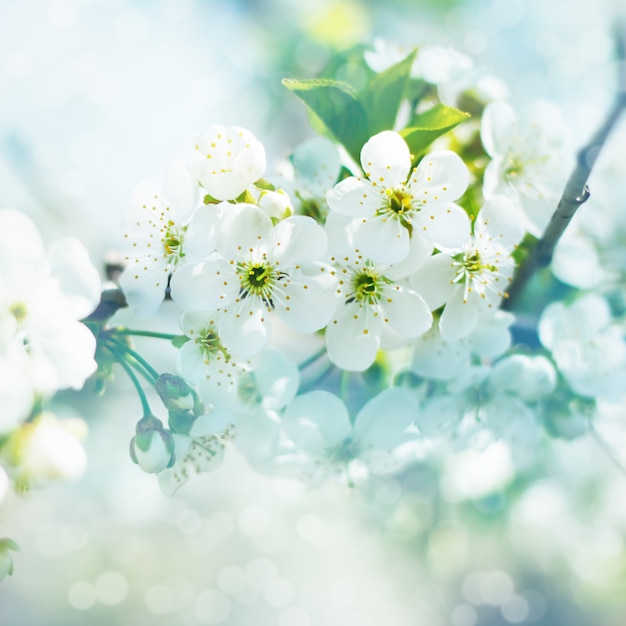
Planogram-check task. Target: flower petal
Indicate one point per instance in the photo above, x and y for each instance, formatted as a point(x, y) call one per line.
point(297, 239)
point(459, 317)
point(245, 328)
point(386, 159)
point(406, 312)
point(446, 225)
point(440, 176)
point(352, 340)
point(356, 197)
point(304, 304)
point(382, 239)
point(316, 421)
point(433, 281)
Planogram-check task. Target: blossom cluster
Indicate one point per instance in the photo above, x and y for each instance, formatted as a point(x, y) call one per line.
point(392, 271)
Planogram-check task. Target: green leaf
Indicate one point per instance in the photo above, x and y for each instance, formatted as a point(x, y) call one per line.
point(384, 93)
point(429, 125)
point(338, 106)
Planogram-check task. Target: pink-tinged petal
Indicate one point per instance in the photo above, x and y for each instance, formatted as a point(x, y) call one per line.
point(433, 281)
point(180, 191)
point(440, 176)
point(382, 239)
point(498, 122)
point(352, 340)
point(459, 317)
point(386, 159)
point(356, 197)
point(317, 421)
point(245, 328)
point(446, 225)
point(406, 312)
point(382, 423)
point(205, 286)
point(297, 239)
point(304, 304)
point(243, 227)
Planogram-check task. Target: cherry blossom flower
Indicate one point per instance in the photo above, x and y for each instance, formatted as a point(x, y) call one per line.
point(530, 158)
point(472, 278)
point(394, 201)
point(326, 443)
point(588, 349)
point(160, 237)
point(43, 346)
point(258, 269)
point(227, 161)
point(373, 301)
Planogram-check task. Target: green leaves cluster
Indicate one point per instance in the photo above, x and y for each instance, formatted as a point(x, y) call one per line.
point(353, 114)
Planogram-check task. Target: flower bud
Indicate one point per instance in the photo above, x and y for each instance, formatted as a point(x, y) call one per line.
point(152, 448)
point(6, 560)
point(175, 393)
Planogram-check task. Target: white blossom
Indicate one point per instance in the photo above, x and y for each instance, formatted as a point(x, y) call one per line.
point(530, 158)
point(259, 269)
point(227, 161)
point(394, 201)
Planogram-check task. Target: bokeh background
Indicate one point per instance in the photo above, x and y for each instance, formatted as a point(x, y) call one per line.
point(97, 95)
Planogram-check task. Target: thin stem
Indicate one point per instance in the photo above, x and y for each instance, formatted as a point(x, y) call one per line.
point(576, 191)
point(136, 356)
point(603, 444)
point(129, 370)
point(314, 357)
point(144, 333)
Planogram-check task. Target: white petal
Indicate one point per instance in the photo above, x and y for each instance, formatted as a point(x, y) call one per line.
point(243, 227)
point(497, 123)
point(386, 159)
point(459, 317)
point(201, 236)
point(406, 312)
point(317, 165)
point(78, 278)
point(381, 424)
point(420, 250)
point(356, 197)
point(144, 282)
point(500, 220)
point(316, 421)
point(227, 161)
point(304, 304)
point(205, 286)
point(180, 191)
point(297, 239)
point(22, 245)
point(352, 340)
point(446, 225)
point(433, 281)
point(245, 328)
point(440, 176)
point(382, 239)
point(277, 378)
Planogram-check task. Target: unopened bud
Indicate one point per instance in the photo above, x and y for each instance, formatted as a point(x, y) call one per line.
point(175, 393)
point(152, 448)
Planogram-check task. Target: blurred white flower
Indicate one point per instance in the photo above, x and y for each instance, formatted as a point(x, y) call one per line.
point(588, 349)
point(4, 486)
point(531, 158)
point(48, 449)
point(326, 443)
point(43, 346)
point(389, 207)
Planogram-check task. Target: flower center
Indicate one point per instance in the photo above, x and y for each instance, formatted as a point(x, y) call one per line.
point(365, 286)
point(173, 242)
point(399, 201)
point(258, 279)
point(470, 265)
point(19, 312)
